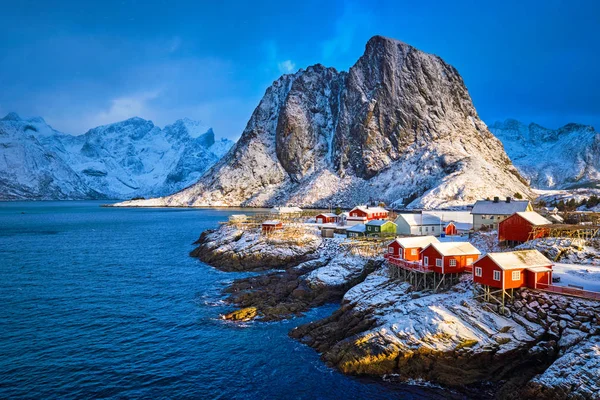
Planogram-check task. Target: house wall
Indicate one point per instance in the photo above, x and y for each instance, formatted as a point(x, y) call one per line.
point(514, 228)
point(409, 256)
point(541, 277)
point(388, 229)
point(402, 227)
point(433, 255)
point(479, 221)
point(451, 230)
point(396, 249)
point(487, 278)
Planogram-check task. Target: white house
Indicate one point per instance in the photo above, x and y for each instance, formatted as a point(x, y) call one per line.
point(489, 213)
point(432, 222)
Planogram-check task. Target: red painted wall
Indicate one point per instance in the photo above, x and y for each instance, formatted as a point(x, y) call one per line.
point(451, 230)
point(488, 267)
point(433, 255)
point(324, 219)
point(544, 278)
point(396, 247)
point(409, 256)
point(516, 228)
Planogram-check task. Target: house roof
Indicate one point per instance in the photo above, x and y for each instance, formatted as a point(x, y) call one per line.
point(455, 248)
point(285, 210)
point(272, 222)
point(370, 210)
point(522, 259)
point(419, 219)
point(499, 208)
point(539, 269)
point(461, 226)
point(534, 218)
point(379, 222)
point(416, 241)
point(556, 218)
point(456, 216)
point(357, 228)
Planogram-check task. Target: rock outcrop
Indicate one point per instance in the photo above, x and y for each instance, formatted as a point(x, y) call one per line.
point(399, 125)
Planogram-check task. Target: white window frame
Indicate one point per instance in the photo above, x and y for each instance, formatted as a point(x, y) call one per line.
point(413, 252)
point(438, 262)
point(478, 271)
point(516, 275)
point(391, 250)
point(497, 275)
point(426, 261)
point(452, 262)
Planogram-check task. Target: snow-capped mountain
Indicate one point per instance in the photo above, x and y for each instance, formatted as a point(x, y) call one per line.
point(565, 158)
point(399, 126)
point(121, 160)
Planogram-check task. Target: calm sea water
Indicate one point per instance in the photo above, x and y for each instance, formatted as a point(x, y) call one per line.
point(101, 302)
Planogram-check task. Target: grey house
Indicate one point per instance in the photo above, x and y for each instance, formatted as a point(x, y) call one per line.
point(489, 213)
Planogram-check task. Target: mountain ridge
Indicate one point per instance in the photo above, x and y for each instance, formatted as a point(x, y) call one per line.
point(121, 160)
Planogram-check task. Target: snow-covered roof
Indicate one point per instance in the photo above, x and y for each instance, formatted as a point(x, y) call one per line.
point(455, 216)
point(419, 219)
point(238, 216)
point(370, 210)
point(556, 218)
point(332, 215)
point(357, 228)
point(461, 226)
point(379, 222)
point(417, 241)
point(539, 269)
point(534, 218)
point(455, 248)
point(286, 210)
point(272, 222)
point(499, 208)
point(520, 259)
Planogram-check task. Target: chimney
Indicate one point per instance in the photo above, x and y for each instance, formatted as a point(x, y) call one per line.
point(496, 199)
point(508, 199)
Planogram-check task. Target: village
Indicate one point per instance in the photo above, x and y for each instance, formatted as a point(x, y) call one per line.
point(492, 244)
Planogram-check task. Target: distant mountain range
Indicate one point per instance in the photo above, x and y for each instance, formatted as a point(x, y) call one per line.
point(399, 127)
point(564, 158)
point(127, 159)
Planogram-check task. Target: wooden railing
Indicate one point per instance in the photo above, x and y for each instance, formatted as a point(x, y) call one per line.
point(408, 265)
point(569, 291)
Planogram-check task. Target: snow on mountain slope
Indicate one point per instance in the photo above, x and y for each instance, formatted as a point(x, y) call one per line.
point(399, 126)
point(30, 170)
point(121, 160)
point(565, 158)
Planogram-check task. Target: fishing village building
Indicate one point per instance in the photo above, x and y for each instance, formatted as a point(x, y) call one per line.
point(327, 218)
point(489, 213)
point(364, 214)
point(357, 230)
point(521, 227)
point(434, 223)
point(409, 248)
point(271, 226)
point(449, 257)
point(380, 228)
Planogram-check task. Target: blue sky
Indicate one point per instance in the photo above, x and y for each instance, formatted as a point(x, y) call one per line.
point(80, 64)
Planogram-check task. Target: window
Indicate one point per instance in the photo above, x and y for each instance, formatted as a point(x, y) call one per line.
point(413, 252)
point(478, 271)
point(425, 260)
point(438, 262)
point(453, 263)
point(516, 275)
point(391, 250)
point(496, 275)
point(426, 229)
point(369, 228)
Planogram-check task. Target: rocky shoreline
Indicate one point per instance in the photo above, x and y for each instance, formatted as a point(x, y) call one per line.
point(542, 346)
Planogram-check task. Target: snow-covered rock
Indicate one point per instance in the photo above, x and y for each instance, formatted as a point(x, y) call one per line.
point(568, 157)
point(399, 126)
point(122, 160)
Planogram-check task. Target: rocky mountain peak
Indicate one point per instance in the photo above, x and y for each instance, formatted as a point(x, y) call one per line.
point(11, 116)
point(399, 126)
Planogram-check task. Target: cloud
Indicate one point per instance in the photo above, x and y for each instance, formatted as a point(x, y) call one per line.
point(122, 108)
point(286, 67)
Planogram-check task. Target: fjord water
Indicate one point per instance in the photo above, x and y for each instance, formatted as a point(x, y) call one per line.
point(105, 302)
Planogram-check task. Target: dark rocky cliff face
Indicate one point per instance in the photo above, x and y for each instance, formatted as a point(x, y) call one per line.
point(398, 125)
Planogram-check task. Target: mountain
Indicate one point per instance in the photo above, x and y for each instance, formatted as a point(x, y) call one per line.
point(564, 158)
point(399, 126)
point(121, 160)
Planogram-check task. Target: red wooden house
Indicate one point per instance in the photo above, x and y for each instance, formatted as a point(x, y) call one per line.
point(409, 248)
point(271, 226)
point(326, 218)
point(449, 257)
point(513, 269)
point(450, 229)
point(519, 227)
point(364, 214)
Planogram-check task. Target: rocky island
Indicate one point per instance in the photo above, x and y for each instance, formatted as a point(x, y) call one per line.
point(541, 346)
